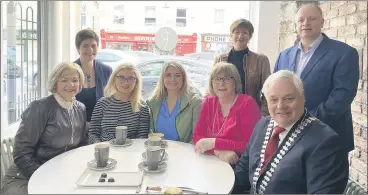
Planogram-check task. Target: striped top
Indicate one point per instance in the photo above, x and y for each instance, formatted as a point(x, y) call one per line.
point(110, 113)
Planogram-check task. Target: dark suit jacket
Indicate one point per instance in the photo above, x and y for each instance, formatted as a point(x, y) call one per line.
point(102, 75)
point(313, 164)
point(330, 82)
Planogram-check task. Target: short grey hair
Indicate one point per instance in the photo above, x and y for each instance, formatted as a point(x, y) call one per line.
point(57, 72)
point(283, 74)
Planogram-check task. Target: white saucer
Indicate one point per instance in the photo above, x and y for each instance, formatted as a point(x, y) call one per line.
point(128, 142)
point(161, 167)
point(144, 155)
point(111, 163)
point(163, 144)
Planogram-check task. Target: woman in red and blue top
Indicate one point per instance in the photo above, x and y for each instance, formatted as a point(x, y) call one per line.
point(227, 117)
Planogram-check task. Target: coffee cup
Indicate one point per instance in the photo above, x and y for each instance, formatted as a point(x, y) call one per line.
point(102, 151)
point(154, 141)
point(155, 155)
point(121, 133)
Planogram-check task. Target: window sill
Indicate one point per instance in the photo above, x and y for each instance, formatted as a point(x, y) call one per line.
point(10, 131)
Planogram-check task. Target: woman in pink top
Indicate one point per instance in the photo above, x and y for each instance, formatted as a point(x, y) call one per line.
point(227, 117)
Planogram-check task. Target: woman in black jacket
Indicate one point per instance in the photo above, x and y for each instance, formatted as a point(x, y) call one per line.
point(50, 126)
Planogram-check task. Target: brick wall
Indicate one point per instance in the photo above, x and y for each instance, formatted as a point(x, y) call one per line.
point(345, 21)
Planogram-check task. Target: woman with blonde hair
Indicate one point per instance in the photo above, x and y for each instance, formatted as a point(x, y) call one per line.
point(50, 126)
point(121, 106)
point(175, 104)
point(227, 116)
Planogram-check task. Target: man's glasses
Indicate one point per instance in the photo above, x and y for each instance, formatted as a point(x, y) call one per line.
point(129, 79)
point(226, 80)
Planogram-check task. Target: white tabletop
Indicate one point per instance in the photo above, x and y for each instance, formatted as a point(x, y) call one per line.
point(186, 168)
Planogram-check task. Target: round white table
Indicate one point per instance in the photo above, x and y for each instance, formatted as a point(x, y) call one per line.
point(205, 173)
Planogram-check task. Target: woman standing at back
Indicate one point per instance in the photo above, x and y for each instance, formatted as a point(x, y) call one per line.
point(96, 73)
point(253, 68)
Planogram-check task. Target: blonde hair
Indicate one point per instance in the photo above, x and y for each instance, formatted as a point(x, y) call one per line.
point(110, 88)
point(230, 71)
point(160, 91)
point(58, 71)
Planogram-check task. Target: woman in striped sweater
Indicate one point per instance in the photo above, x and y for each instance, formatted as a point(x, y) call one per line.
point(121, 106)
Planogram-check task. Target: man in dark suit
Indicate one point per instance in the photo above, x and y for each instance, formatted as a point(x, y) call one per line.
point(329, 70)
point(290, 151)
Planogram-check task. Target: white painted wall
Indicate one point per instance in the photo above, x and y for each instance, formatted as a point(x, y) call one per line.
point(268, 30)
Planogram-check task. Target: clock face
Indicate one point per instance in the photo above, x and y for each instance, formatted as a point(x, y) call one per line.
point(166, 39)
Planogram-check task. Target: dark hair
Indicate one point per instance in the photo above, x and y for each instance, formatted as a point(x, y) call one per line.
point(84, 35)
point(242, 23)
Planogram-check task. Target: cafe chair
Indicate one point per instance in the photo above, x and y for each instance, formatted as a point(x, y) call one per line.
point(7, 145)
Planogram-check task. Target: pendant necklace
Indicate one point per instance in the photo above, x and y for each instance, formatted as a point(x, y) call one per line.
point(214, 119)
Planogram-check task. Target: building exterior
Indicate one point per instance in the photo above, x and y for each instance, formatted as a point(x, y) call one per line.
point(187, 18)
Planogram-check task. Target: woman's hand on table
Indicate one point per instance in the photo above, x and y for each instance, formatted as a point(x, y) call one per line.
point(228, 156)
point(205, 144)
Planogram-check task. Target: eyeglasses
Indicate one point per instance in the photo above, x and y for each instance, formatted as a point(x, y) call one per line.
point(226, 80)
point(129, 79)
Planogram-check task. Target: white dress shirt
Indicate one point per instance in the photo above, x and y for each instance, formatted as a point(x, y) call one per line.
point(303, 58)
point(284, 133)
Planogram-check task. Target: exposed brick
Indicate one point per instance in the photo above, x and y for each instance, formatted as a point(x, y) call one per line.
point(326, 24)
point(347, 9)
point(361, 84)
point(332, 32)
point(363, 182)
point(362, 29)
point(363, 157)
point(364, 133)
point(337, 22)
point(342, 39)
point(360, 60)
point(360, 143)
point(288, 12)
point(347, 30)
point(355, 41)
point(356, 107)
point(365, 55)
point(337, 4)
point(331, 14)
point(354, 174)
point(325, 6)
point(287, 40)
point(356, 18)
point(362, 5)
point(357, 132)
point(361, 97)
point(287, 27)
point(359, 165)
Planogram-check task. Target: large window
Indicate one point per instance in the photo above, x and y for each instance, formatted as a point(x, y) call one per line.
point(150, 18)
point(181, 17)
point(119, 14)
point(20, 66)
point(219, 15)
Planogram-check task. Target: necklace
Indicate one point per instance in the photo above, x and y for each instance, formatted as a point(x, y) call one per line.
point(214, 119)
point(88, 76)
